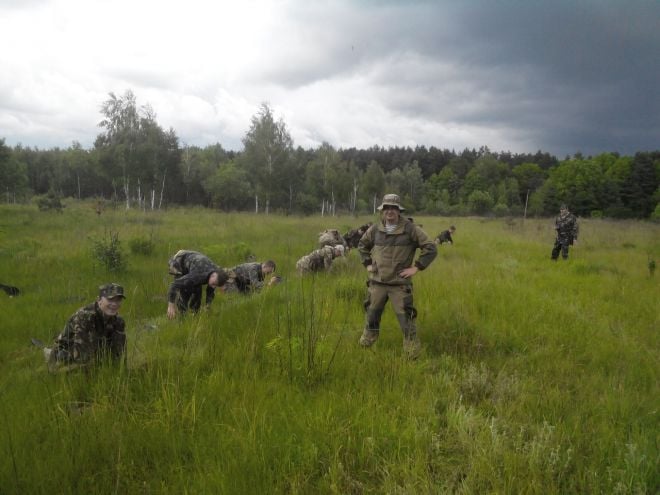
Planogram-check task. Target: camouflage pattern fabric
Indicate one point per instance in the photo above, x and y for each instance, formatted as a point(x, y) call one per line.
point(191, 271)
point(318, 260)
point(89, 336)
point(246, 277)
point(444, 236)
point(331, 237)
point(184, 262)
point(567, 226)
point(389, 253)
point(353, 236)
point(567, 229)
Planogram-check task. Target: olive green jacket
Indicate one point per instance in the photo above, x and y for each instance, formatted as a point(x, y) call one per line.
point(390, 253)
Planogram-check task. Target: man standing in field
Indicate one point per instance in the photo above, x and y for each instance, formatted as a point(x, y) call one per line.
point(249, 277)
point(93, 333)
point(319, 260)
point(387, 250)
point(567, 229)
point(191, 271)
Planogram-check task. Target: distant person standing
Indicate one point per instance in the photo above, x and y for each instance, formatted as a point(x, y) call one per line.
point(566, 227)
point(387, 250)
point(445, 236)
point(192, 270)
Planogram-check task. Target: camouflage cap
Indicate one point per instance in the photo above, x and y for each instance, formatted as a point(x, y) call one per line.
point(391, 200)
point(111, 290)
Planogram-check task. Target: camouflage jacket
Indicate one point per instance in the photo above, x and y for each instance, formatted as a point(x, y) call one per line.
point(444, 236)
point(247, 277)
point(567, 227)
point(390, 253)
point(317, 260)
point(90, 335)
point(331, 237)
point(191, 269)
point(353, 236)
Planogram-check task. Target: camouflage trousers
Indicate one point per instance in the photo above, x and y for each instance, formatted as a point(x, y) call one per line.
point(561, 244)
point(308, 264)
point(189, 299)
point(401, 297)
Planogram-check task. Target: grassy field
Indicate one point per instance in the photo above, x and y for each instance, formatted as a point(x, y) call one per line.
point(536, 376)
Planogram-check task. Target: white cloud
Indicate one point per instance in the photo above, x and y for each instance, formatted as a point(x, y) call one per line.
point(352, 73)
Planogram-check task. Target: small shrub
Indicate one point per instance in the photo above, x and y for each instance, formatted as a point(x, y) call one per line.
point(500, 210)
point(655, 216)
point(108, 253)
point(51, 201)
point(142, 245)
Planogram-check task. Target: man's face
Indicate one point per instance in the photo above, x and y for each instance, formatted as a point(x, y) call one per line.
point(390, 214)
point(213, 280)
point(110, 306)
point(265, 269)
point(563, 211)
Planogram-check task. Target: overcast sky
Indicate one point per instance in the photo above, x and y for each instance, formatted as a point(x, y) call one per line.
point(554, 75)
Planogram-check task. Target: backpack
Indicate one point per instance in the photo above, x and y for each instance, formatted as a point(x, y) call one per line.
point(175, 264)
point(330, 237)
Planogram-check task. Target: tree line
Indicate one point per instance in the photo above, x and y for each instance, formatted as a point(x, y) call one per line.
point(135, 163)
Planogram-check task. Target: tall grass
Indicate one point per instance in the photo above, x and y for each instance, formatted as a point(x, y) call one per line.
point(536, 376)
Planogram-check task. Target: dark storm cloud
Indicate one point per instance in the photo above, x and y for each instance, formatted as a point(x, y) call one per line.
point(560, 76)
point(570, 76)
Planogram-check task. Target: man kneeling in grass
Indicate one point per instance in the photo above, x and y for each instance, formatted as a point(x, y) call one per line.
point(192, 270)
point(93, 333)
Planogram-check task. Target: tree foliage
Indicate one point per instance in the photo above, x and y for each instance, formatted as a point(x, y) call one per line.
point(137, 162)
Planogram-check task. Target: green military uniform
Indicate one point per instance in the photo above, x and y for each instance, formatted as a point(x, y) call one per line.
point(567, 229)
point(316, 261)
point(90, 335)
point(191, 271)
point(388, 254)
point(245, 278)
point(331, 237)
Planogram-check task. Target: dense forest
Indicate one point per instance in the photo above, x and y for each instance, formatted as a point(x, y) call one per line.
point(135, 163)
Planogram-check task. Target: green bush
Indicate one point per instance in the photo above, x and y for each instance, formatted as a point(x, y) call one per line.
point(655, 216)
point(51, 201)
point(108, 252)
point(142, 245)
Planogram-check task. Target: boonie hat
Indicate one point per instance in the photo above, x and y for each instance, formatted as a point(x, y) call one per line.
point(111, 290)
point(391, 200)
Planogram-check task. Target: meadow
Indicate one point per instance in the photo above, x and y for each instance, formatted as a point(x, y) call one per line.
point(535, 377)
